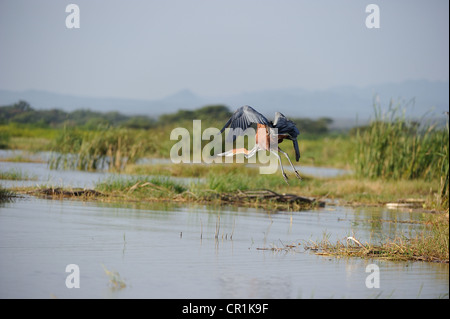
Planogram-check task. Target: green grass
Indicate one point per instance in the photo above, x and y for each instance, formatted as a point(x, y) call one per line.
point(347, 189)
point(110, 148)
point(141, 187)
point(326, 151)
point(26, 137)
point(16, 175)
point(393, 147)
point(212, 188)
point(218, 177)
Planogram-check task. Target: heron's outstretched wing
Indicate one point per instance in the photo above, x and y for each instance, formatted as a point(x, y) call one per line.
point(287, 127)
point(242, 119)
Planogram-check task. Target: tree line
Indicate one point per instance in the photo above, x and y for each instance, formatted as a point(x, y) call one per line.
point(22, 113)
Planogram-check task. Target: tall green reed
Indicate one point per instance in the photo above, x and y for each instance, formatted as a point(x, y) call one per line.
point(393, 146)
point(105, 148)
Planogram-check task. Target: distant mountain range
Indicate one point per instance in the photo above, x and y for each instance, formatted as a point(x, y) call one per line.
point(339, 103)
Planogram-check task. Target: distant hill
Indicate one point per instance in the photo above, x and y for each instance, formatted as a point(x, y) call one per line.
point(348, 102)
point(344, 103)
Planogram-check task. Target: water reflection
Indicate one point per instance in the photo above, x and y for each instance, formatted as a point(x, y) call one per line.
point(166, 250)
point(177, 251)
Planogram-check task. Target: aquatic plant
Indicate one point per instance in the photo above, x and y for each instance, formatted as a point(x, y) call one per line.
point(105, 148)
point(6, 195)
point(430, 244)
point(395, 147)
point(115, 280)
point(15, 174)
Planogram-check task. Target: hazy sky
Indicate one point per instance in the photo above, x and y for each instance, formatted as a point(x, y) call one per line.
point(150, 49)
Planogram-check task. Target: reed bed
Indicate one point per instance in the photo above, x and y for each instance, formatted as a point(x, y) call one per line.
point(394, 147)
point(106, 148)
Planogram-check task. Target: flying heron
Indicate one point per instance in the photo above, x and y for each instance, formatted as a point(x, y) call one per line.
point(267, 134)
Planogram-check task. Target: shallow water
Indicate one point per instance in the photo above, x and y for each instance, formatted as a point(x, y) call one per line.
point(40, 175)
point(167, 251)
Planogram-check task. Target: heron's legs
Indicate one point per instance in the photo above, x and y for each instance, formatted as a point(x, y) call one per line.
point(282, 169)
point(253, 151)
point(285, 154)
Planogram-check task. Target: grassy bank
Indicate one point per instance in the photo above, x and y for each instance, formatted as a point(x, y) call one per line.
point(347, 189)
point(221, 189)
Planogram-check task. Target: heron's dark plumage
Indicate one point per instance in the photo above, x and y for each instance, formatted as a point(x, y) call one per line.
point(287, 127)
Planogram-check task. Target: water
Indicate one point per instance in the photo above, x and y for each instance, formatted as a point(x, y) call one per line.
point(171, 251)
point(39, 174)
point(167, 251)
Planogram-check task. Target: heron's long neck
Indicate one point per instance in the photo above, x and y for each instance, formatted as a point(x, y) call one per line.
point(262, 136)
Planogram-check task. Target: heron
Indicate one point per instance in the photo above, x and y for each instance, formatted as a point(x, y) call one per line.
point(267, 134)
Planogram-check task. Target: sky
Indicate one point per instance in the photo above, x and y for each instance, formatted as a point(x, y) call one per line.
point(151, 49)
